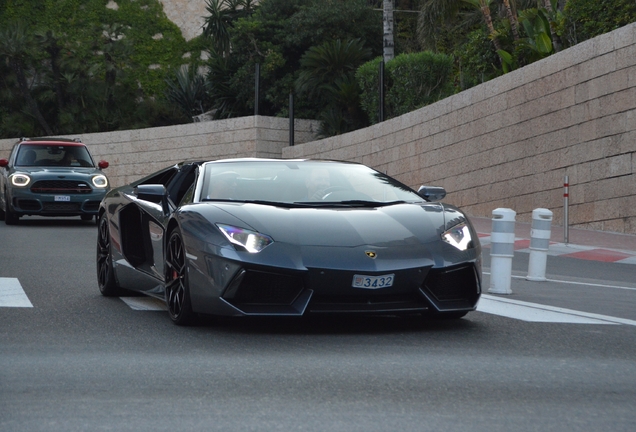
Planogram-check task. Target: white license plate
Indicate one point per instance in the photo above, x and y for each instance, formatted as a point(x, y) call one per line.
point(62, 198)
point(372, 282)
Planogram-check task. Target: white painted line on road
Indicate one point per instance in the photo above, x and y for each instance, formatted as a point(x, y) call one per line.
point(145, 303)
point(578, 283)
point(12, 294)
point(534, 312)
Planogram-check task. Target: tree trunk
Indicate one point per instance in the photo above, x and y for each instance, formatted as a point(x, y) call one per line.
point(485, 10)
point(514, 23)
point(388, 41)
point(555, 37)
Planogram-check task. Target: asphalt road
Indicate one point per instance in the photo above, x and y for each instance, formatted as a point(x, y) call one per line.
point(76, 361)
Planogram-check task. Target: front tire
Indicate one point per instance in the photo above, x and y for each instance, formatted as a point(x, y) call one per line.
point(105, 274)
point(177, 287)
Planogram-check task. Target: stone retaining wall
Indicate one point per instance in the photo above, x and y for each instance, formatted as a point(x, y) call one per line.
point(133, 154)
point(510, 142)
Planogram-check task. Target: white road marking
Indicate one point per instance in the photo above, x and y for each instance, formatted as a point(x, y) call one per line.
point(12, 294)
point(534, 312)
point(577, 283)
point(145, 303)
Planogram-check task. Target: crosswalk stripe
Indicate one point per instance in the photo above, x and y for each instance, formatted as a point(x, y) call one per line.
point(12, 294)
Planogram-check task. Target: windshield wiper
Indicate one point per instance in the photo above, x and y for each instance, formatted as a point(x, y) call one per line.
point(351, 203)
point(364, 203)
point(260, 202)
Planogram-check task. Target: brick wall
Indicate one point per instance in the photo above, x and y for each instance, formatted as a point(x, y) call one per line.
point(510, 142)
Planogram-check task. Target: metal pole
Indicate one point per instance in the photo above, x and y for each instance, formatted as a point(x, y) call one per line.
point(257, 82)
point(381, 108)
point(566, 216)
point(291, 119)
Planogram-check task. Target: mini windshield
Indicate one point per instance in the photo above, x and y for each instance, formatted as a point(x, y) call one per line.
point(54, 155)
point(300, 182)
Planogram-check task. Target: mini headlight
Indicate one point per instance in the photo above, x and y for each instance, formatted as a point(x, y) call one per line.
point(251, 241)
point(100, 181)
point(458, 236)
point(20, 180)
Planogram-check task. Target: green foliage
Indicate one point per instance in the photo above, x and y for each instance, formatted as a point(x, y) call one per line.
point(368, 77)
point(327, 78)
point(93, 68)
point(418, 79)
point(276, 36)
point(187, 91)
point(413, 81)
point(589, 18)
point(536, 26)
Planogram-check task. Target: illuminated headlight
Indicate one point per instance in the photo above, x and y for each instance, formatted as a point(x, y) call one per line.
point(100, 181)
point(458, 236)
point(20, 180)
point(251, 241)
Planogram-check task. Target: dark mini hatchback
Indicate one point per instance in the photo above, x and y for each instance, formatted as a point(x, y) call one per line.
point(50, 177)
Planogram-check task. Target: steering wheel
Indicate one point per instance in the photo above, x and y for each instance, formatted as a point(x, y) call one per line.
point(332, 189)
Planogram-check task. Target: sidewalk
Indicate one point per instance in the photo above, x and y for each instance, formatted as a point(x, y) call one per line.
point(583, 244)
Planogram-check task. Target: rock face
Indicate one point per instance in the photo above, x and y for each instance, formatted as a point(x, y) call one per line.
point(188, 15)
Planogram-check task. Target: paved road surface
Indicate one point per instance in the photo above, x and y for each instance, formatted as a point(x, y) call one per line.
point(553, 356)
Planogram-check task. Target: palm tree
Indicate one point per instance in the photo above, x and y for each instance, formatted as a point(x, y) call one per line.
point(187, 91)
point(328, 76)
point(514, 23)
point(389, 43)
point(484, 8)
point(222, 15)
point(322, 65)
point(17, 46)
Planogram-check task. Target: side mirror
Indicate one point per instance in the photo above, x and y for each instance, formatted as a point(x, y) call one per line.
point(432, 193)
point(152, 192)
point(102, 164)
point(155, 193)
point(4, 162)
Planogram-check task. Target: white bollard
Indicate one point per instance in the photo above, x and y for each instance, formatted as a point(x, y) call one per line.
point(502, 249)
point(539, 244)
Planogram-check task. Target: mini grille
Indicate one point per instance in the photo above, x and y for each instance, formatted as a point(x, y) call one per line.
point(61, 186)
point(29, 205)
point(61, 207)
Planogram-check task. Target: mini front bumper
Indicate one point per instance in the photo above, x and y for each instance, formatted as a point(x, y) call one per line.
point(25, 202)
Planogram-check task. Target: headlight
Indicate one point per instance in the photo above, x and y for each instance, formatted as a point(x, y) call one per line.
point(100, 181)
point(251, 241)
point(20, 180)
point(458, 236)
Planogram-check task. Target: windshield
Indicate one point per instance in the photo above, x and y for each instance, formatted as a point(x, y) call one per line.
point(300, 182)
point(73, 155)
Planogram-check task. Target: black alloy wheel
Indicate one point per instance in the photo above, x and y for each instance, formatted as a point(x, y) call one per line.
point(105, 275)
point(177, 289)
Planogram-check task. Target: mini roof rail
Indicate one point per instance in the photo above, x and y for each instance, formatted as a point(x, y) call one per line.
point(77, 140)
